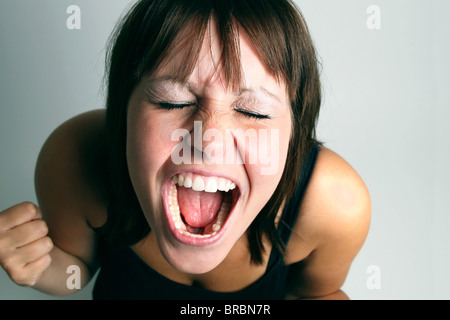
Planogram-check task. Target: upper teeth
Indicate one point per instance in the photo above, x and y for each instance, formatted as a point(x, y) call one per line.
point(201, 183)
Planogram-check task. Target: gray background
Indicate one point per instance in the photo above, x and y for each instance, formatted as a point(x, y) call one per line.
point(386, 110)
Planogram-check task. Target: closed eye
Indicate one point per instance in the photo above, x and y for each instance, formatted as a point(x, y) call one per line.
point(174, 106)
point(253, 115)
point(179, 106)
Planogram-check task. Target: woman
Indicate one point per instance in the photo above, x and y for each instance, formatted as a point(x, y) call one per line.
point(203, 178)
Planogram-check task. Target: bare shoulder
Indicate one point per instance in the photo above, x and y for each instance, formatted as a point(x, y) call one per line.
point(335, 210)
point(70, 182)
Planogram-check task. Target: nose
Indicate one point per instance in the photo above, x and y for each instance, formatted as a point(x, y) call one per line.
point(210, 138)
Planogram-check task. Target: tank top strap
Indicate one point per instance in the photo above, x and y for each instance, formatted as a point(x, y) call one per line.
point(292, 207)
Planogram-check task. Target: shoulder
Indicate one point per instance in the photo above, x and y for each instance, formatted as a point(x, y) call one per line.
point(71, 166)
point(335, 210)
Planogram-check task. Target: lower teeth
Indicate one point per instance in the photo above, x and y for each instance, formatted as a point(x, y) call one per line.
point(181, 227)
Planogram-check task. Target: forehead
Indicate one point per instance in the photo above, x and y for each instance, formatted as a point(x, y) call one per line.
point(211, 68)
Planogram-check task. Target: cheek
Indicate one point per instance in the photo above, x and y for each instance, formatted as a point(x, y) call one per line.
point(268, 152)
point(272, 149)
point(148, 144)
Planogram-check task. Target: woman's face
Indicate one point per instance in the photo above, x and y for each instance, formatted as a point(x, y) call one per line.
point(204, 158)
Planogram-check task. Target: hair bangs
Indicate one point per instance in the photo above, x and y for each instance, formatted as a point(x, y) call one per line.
point(185, 42)
point(185, 29)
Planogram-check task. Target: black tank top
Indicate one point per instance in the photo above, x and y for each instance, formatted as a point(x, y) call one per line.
point(123, 275)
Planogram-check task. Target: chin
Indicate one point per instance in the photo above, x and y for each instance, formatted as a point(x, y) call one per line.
point(194, 260)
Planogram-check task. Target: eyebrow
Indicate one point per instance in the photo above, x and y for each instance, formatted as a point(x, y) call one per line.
point(258, 91)
point(255, 91)
point(162, 79)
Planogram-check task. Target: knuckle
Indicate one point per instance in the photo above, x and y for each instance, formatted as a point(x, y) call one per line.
point(47, 243)
point(18, 214)
point(29, 207)
point(47, 260)
point(40, 227)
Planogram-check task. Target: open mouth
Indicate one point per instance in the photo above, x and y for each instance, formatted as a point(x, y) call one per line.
point(198, 207)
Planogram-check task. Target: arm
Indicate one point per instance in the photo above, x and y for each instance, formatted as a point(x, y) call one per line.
point(333, 223)
point(38, 244)
point(70, 193)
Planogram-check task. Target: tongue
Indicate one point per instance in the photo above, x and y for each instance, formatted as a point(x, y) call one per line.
point(197, 207)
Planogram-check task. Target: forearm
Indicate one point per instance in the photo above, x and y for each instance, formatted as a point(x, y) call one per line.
point(61, 280)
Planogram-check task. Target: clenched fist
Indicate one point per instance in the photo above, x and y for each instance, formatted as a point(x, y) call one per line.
point(24, 244)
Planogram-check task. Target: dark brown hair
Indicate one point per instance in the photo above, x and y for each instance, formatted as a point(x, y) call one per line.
point(143, 40)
